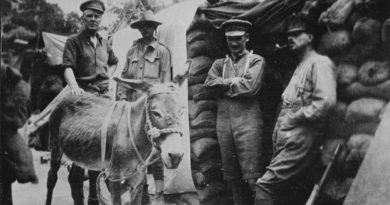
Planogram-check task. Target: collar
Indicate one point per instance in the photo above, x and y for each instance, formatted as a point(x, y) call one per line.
point(241, 55)
point(84, 33)
point(153, 44)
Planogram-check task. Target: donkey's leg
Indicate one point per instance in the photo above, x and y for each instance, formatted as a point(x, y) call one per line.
point(55, 162)
point(137, 190)
point(76, 178)
point(92, 198)
point(115, 192)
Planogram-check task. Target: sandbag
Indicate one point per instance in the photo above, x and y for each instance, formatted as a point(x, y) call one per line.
point(362, 128)
point(358, 145)
point(366, 29)
point(191, 109)
point(364, 110)
point(202, 146)
point(373, 72)
point(212, 193)
point(337, 188)
point(328, 148)
point(199, 79)
point(205, 119)
point(199, 44)
point(192, 89)
point(207, 93)
point(362, 52)
point(199, 65)
point(203, 105)
point(198, 133)
point(357, 90)
point(337, 13)
point(336, 125)
point(335, 43)
point(346, 74)
point(386, 33)
point(198, 177)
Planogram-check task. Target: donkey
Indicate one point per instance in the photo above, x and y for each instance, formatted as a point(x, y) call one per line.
point(121, 138)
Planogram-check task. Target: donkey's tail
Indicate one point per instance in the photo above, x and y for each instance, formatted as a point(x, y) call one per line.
point(102, 200)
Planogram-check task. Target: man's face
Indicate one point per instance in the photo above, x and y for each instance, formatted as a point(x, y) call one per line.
point(298, 40)
point(237, 44)
point(92, 19)
point(147, 30)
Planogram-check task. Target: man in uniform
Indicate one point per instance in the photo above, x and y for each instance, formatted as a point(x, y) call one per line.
point(307, 99)
point(88, 59)
point(150, 61)
point(239, 118)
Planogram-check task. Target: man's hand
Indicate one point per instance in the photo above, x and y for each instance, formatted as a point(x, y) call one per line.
point(77, 91)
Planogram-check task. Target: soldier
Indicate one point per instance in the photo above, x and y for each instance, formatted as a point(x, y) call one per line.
point(239, 118)
point(307, 99)
point(88, 59)
point(150, 61)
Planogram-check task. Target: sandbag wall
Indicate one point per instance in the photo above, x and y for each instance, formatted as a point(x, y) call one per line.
point(357, 39)
point(205, 153)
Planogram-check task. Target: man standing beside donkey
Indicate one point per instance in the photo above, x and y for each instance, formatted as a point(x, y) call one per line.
point(150, 61)
point(88, 59)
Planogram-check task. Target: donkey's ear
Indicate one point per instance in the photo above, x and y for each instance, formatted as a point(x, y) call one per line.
point(180, 78)
point(134, 84)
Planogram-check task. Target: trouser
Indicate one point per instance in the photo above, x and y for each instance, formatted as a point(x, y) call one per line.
point(296, 149)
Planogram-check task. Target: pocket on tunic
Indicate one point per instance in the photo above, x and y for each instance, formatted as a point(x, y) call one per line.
point(131, 70)
point(152, 68)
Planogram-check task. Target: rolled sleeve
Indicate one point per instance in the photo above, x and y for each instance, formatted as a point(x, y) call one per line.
point(250, 83)
point(324, 93)
point(166, 66)
point(214, 77)
point(70, 54)
point(112, 59)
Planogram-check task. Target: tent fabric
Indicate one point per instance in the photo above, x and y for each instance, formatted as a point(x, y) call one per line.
point(54, 47)
point(172, 33)
point(267, 16)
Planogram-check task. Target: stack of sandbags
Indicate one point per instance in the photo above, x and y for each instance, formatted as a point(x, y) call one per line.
point(205, 153)
point(356, 41)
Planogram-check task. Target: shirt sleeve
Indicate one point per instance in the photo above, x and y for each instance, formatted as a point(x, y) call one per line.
point(70, 54)
point(214, 77)
point(166, 66)
point(112, 59)
point(324, 93)
point(250, 83)
point(122, 90)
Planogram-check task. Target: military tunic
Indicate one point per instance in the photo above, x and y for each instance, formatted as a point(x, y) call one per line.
point(239, 117)
point(151, 63)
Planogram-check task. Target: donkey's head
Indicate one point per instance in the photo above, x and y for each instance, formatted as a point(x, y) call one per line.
point(163, 112)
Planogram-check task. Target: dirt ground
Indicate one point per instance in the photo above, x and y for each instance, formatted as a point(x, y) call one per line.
point(35, 194)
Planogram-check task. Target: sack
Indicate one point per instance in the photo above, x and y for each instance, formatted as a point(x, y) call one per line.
point(202, 146)
point(203, 105)
point(204, 119)
point(366, 29)
point(199, 79)
point(357, 90)
point(198, 133)
point(328, 148)
point(338, 13)
point(199, 44)
point(207, 93)
point(364, 110)
point(335, 43)
point(199, 65)
point(358, 145)
point(347, 73)
point(336, 125)
point(362, 128)
point(373, 72)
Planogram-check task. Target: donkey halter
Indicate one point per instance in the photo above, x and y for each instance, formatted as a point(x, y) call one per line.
point(152, 133)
